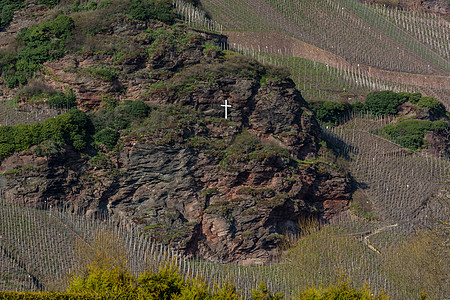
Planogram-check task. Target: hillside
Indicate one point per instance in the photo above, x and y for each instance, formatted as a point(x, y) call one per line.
point(384, 48)
point(429, 6)
point(256, 143)
point(224, 189)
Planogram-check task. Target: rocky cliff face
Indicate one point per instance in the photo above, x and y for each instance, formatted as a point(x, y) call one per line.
point(226, 189)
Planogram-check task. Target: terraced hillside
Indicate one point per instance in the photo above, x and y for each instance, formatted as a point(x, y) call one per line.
point(347, 28)
point(385, 48)
point(41, 249)
point(401, 186)
point(166, 167)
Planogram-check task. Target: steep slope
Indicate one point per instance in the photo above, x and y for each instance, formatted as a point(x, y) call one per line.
point(430, 6)
point(224, 189)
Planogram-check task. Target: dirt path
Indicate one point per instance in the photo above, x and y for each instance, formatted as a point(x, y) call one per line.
point(367, 241)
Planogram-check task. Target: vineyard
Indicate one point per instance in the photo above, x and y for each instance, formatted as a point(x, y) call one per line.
point(393, 238)
point(42, 249)
point(370, 37)
point(375, 47)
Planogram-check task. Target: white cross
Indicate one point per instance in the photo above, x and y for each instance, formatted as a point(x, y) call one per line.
point(226, 108)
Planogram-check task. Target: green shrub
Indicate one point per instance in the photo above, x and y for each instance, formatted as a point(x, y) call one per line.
point(138, 109)
point(108, 102)
point(411, 97)
point(107, 137)
point(357, 107)
point(7, 9)
point(247, 147)
point(49, 3)
point(15, 79)
point(41, 43)
point(435, 107)
point(383, 103)
point(410, 133)
point(145, 10)
point(62, 100)
point(329, 112)
point(386, 102)
point(121, 116)
point(69, 128)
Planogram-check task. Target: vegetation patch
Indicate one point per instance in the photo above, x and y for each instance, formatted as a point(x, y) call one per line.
point(121, 116)
point(329, 111)
point(164, 39)
point(62, 100)
point(7, 9)
point(410, 133)
point(152, 10)
point(41, 43)
point(102, 72)
point(247, 147)
point(107, 137)
point(69, 128)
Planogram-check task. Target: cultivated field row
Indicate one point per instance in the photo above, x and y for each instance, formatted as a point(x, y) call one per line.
point(354, 31)
point(40, 248)
point(339, 81)
point(401, 185)
point(328, 76)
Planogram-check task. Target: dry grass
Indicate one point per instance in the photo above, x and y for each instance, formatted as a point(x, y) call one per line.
point(421, 263)
point(105, 251)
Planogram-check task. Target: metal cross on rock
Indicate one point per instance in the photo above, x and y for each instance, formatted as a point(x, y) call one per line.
point(226, 108)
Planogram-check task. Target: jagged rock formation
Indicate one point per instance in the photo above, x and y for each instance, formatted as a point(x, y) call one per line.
point(227, 190)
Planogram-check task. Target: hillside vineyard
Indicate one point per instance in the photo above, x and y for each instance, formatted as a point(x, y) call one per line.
point(209, 149)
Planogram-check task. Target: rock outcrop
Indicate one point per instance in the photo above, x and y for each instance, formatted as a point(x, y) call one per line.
point(229, 190)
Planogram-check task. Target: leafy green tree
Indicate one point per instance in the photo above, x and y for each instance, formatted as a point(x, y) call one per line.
point(330, 112)
point(383, 103)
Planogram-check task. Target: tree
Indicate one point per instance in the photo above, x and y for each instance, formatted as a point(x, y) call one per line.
point(383, 103)
point(330, 112)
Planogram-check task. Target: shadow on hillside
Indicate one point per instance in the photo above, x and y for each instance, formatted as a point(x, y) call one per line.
point(338, 146)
